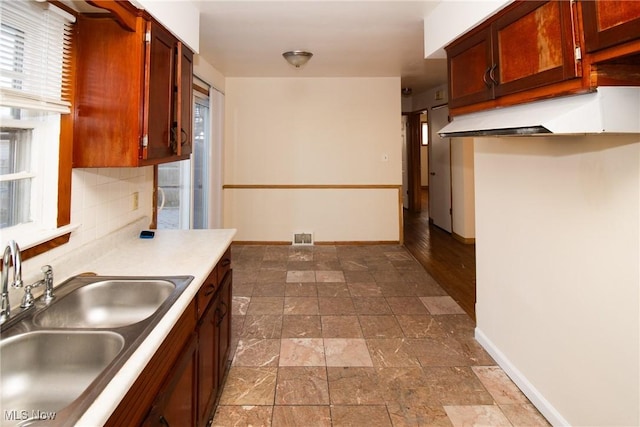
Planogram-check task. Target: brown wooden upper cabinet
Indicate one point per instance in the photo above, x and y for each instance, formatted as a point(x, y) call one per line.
point(133, 92)
point(528, 45)
point(609, 23)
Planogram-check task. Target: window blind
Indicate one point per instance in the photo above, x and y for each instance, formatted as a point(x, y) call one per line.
point(35, 51)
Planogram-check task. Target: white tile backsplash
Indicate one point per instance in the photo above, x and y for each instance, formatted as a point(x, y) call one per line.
point(107, 199)
point(102, 205)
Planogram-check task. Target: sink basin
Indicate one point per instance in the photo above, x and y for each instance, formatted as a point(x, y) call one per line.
point(107, 304)
point(44, 371)
point(56, 358)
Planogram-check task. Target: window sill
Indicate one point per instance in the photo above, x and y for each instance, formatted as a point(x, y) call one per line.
point(34, 242)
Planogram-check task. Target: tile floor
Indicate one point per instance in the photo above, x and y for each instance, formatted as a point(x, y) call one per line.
point(356, 336)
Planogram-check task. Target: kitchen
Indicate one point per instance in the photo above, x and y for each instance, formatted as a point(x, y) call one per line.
point(599, 177)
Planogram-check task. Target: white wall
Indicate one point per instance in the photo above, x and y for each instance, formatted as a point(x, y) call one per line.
point(181, 17)
point(427, 99)
point(558, 277)
point(440, 29)
point(208, 73)
point(463, 192)
point(313, 131)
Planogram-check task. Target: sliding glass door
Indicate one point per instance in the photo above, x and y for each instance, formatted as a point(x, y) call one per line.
point(183, 187)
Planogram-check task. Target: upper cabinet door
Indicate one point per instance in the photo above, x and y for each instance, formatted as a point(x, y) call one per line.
point(469, 66)
point(609, 23)
point(109, 92)
point(184, 116)
point(533, 46)
point(160, 79)
point(133, 92)
point(529, 45)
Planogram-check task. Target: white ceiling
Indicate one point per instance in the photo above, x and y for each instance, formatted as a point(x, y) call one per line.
point(347, 38)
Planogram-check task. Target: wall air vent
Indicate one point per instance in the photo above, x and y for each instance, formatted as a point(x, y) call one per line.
point(303, 238)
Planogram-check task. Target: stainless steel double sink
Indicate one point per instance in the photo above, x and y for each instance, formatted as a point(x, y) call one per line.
point(55, 359)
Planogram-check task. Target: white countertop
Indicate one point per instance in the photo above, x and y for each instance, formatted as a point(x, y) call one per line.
point(169, 253)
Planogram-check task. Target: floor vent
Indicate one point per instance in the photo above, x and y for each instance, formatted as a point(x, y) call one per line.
point(303, 238)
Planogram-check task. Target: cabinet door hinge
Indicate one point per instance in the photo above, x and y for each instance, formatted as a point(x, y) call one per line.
point(145, 141)
point(147, 37)
point(578, 53)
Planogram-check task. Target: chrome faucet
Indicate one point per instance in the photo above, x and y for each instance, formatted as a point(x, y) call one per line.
point(11, 255)
point(28, 299)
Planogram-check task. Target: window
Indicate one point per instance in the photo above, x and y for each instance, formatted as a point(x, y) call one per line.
point(28, 162)
point(35, 48)
point(15, 183)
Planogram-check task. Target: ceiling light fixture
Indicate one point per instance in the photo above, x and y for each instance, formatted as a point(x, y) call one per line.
point(297, 58)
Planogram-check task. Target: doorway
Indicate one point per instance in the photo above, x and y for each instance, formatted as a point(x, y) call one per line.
point(439, 170)
point(447, 259)
point(450, 262)
point(412, 142)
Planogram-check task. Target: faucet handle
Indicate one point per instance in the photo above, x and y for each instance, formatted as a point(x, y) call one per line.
point(27, 299)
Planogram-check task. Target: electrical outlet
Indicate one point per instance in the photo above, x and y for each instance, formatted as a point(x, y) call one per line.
point(136, 197)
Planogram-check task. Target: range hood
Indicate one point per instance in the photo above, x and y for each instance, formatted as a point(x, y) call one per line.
point(606, 110)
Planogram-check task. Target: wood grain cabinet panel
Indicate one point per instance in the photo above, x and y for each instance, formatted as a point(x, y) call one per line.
point(175, 404)
point(160, 75)
point(528, 45)
point(469, 65)
point(214, 337)
point(610, 23)
point(207, 365)
point(184, 116)
point(534, 46)
point(223, 328)
point(133, 93)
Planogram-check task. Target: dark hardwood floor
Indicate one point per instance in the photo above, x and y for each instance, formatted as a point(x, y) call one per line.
point(450, 262)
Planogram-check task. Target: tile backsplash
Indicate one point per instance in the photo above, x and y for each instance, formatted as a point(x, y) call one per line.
point(102, 206)
point(103, 199)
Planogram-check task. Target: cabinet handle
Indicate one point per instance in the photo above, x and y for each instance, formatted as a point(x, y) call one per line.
point(210, 290)
point(226, 262)
point(492, 75)
point(173, 140)
point(485, 77)
point(164, 421)
point(226, 311)
point(183, 136)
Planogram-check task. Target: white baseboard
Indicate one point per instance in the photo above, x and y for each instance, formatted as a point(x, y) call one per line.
point(537, 399)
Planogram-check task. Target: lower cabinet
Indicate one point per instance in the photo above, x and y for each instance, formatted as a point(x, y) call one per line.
point(207, 366)
point(223, 327)
point(175, 403)
point(214, 336)
point(182, 382)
